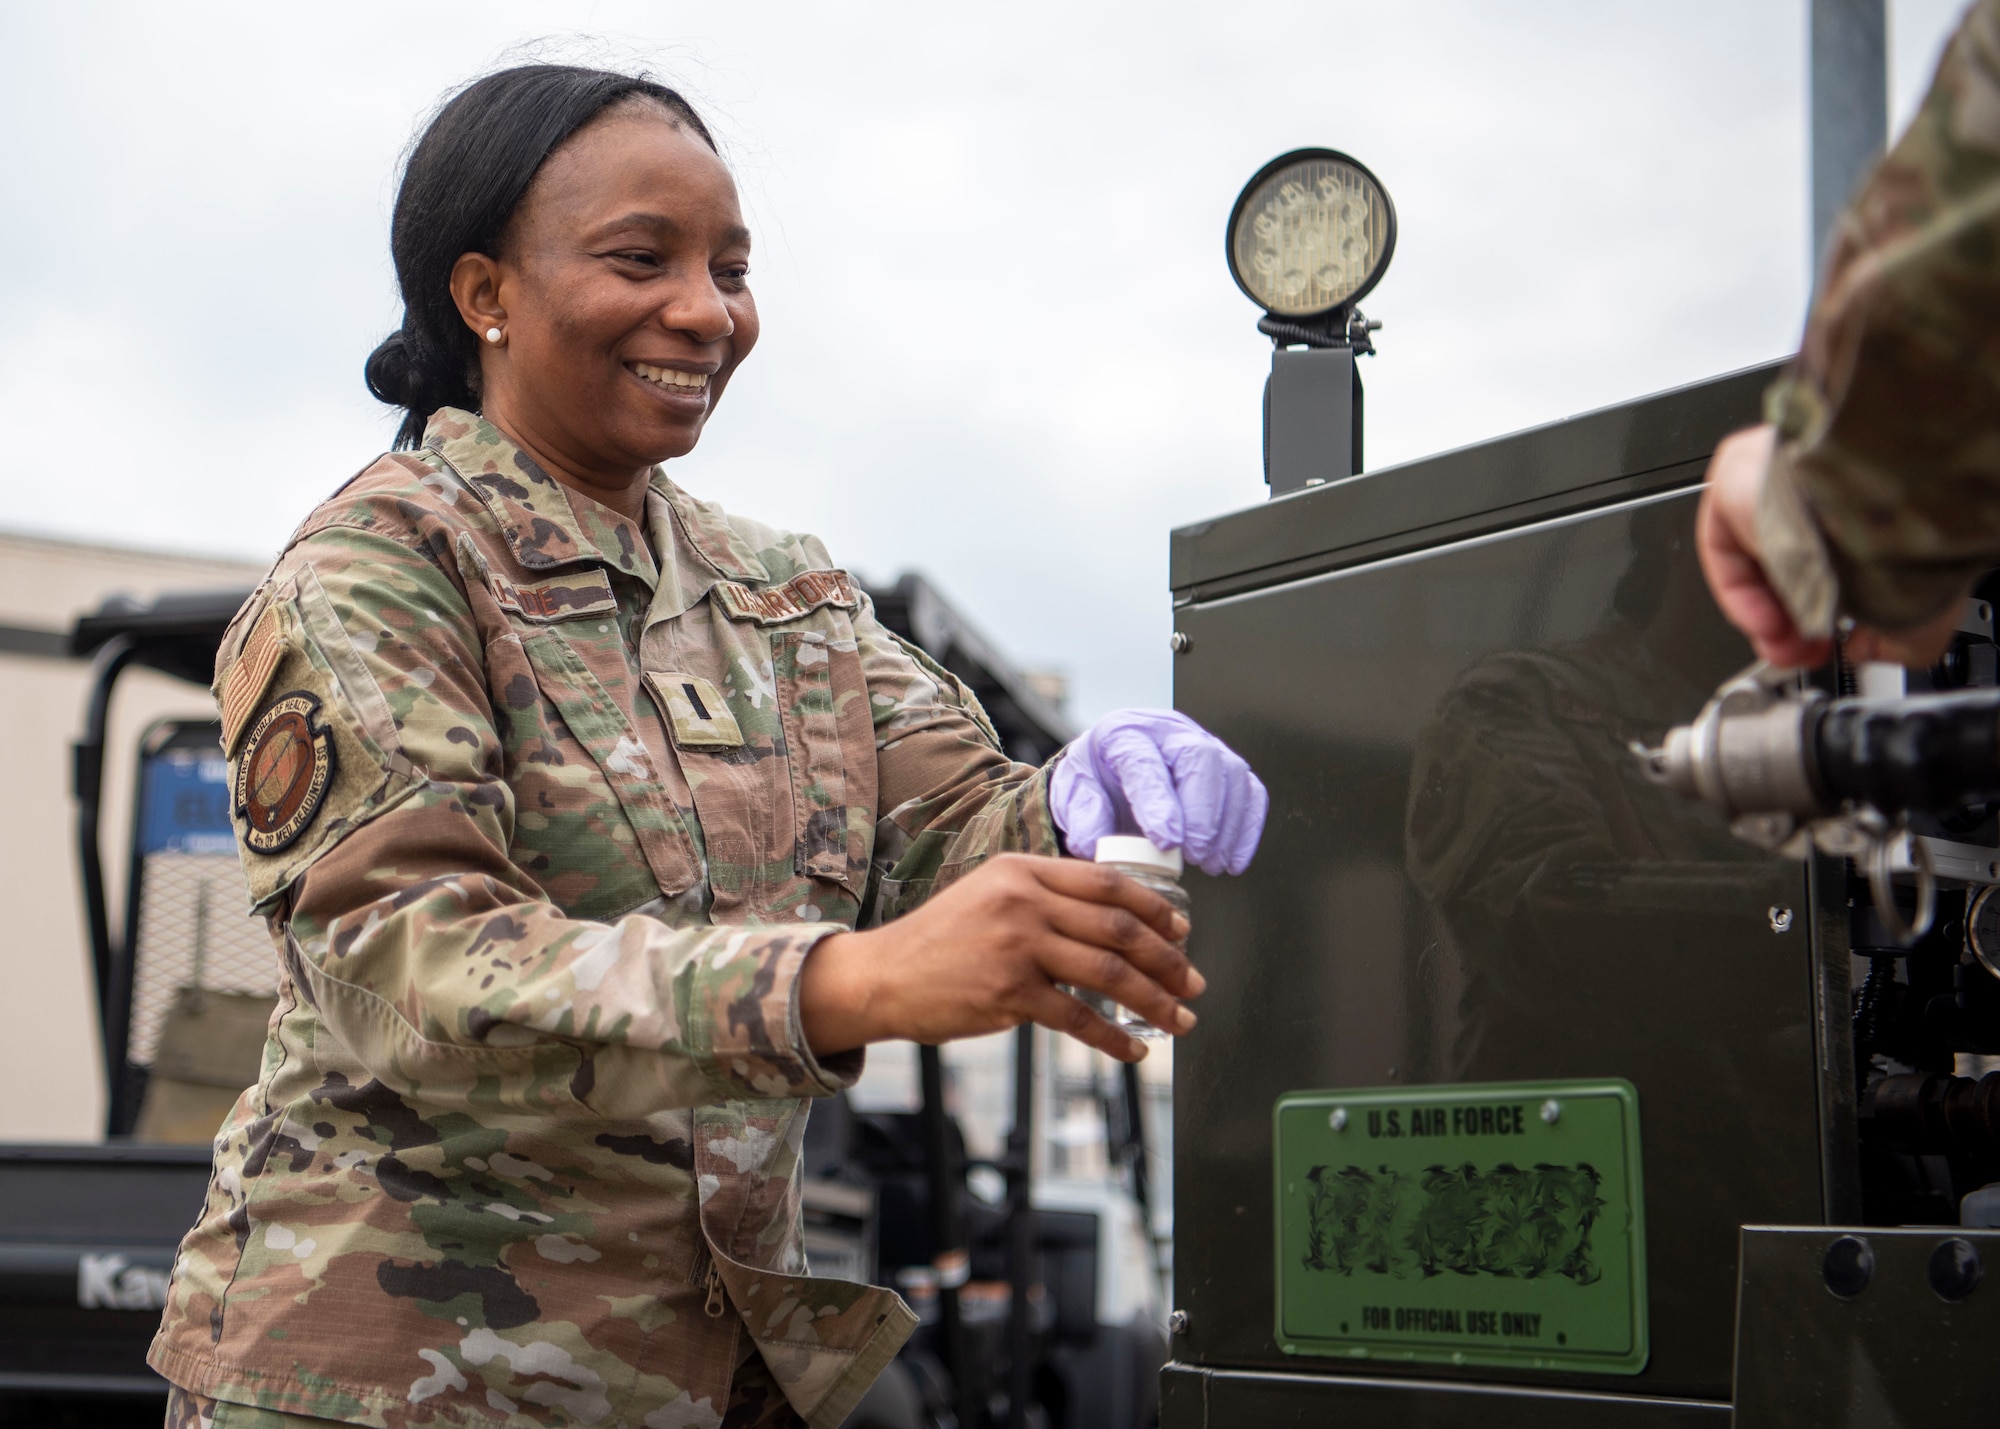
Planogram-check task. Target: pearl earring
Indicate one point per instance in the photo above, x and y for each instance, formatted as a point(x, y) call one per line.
point(493, 334)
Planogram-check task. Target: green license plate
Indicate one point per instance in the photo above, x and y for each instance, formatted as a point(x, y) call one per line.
point(1487, 1225)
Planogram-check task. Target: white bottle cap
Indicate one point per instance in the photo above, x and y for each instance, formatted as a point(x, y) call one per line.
point(1130, 848)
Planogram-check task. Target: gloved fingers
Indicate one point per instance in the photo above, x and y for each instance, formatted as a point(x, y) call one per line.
point(1224, 802)
point(1134, 761)
point(1082, 811)
point(1179, 784)
point(1233, 793)
point(1249, 805)
point(1204, 771)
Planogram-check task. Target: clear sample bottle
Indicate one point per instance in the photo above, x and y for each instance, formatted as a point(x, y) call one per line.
point(1158, 869)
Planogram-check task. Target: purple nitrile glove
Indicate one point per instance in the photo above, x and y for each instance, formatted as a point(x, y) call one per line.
point(1158, 773)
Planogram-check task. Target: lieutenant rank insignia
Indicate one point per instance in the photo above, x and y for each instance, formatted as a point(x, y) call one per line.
point(283, 774)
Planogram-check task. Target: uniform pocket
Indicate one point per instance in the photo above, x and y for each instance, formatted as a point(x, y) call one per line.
point(780, 762)
point(823, 704)
point(598, 721)
point(746, 1160)
point(893, 897)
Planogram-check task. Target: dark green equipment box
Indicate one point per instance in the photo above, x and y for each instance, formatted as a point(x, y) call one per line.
point(1469, 894)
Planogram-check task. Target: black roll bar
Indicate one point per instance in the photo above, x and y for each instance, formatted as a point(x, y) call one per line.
point(87, 787)
point(176, 635)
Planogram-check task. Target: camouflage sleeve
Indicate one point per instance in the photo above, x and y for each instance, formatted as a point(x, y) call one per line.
point(434, 958)
point(947, 798)
point(1883, 500)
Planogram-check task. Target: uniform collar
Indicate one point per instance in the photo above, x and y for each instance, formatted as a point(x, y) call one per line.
point(546, 524)
point(704, 526)
point(697, 548)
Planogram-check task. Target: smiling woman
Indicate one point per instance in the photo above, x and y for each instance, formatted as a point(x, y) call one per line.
point(598, 234)
point(564, 794)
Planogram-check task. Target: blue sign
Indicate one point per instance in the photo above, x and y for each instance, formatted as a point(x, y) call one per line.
point(184, 804)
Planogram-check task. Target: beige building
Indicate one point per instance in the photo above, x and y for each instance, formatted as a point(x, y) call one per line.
point(50, 1056)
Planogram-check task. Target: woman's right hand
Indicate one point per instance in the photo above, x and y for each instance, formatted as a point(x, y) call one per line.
point(986, 954)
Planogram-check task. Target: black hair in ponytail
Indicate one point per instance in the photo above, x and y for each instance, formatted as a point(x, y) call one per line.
point(466, 176)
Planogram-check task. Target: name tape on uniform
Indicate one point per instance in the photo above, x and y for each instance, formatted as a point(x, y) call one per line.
point(801, 595)
point(569, 598)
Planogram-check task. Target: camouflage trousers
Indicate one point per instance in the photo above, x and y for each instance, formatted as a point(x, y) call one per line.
point(755, 1402)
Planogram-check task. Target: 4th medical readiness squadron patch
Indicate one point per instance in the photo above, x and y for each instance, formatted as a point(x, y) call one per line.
point(283, 774)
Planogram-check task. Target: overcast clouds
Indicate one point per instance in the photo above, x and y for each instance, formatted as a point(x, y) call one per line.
point(1000, 344)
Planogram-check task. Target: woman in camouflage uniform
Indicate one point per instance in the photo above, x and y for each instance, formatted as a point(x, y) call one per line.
point(564, 793)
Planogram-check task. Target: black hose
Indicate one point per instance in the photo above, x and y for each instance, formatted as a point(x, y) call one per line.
point(1871, 1010)
point(1925, 754)
point(1920, 1113)
point(1324, 333)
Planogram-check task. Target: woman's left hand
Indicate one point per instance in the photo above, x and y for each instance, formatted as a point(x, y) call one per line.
point(1163, 774)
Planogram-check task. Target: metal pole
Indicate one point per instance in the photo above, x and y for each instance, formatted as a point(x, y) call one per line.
point(1847, 77)
point(1020, 1226)
point(948, 1253)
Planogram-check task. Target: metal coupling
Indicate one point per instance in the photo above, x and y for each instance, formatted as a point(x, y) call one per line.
point(1793, 771)
point(1748, 755)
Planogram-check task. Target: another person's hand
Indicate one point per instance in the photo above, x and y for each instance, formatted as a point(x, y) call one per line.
point(1732, 557)
point(986, 954)
point(1163, 774)
point(1732, 554)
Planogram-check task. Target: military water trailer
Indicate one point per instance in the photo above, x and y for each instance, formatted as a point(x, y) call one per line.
point(1506, 1046)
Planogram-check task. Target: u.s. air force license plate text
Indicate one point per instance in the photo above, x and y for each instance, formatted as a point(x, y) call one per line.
point(1489, 1224)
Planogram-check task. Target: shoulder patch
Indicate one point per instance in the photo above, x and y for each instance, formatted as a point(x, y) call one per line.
point(251, 675)
point(801, 595)
point(284, 773)
point(565, 598)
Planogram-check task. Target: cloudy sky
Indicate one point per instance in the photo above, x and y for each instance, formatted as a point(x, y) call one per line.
point(1000, 345)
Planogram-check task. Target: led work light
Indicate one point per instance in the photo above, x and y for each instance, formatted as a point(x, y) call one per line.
point(1309, 236)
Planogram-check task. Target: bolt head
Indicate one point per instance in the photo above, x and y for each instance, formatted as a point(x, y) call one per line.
point(1552, 1111)
point(1848, 1266)
point(1955, 1271)
point(1178, 1322)
point(1180, 642)
point(1337, 1118)
point(1781, 920)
